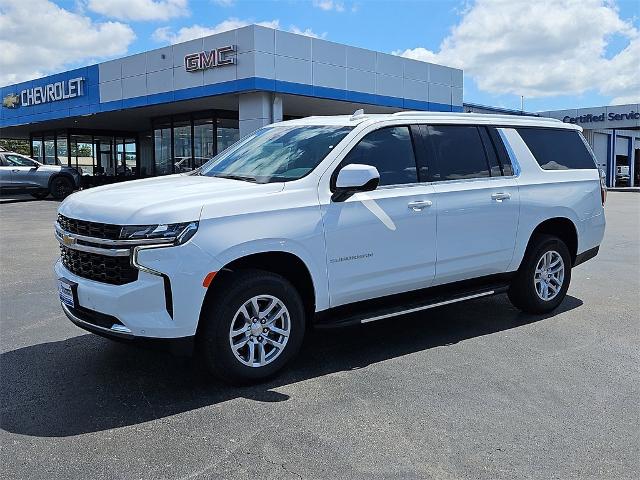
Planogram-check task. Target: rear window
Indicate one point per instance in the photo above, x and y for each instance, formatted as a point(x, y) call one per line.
point(557, 149)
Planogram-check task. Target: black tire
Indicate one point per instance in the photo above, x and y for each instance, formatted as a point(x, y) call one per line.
point(522, 292)
point(40, 194)
point(60, 187)
point(220, 311)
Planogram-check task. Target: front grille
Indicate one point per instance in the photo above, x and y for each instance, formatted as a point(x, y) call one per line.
point(89, 229)
point(101, 268)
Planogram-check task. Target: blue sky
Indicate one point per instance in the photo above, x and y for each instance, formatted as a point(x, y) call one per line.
point(557, 53)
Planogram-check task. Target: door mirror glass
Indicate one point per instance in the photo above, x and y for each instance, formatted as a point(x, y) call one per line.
point(355, 178)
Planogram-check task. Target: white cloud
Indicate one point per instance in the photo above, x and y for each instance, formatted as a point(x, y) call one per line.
point(140, 9)
point(307, 32)
point(329, 5)
point(44, 38)
point(167, 34)
point(225, 3)
point(542, 48)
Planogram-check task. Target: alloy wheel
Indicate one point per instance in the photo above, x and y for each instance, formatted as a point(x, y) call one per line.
point(549, 275)
point(260, 330)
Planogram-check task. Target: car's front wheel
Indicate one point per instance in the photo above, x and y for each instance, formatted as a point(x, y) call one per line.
point(542, 280)
point(252, 326)
point(61, 187)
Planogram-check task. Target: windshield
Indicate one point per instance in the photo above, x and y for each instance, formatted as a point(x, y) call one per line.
point(276, 154)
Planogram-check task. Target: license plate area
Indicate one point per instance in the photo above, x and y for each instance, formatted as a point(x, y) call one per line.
point(68, 292)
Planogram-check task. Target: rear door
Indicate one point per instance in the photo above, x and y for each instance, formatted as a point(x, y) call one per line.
point(477, 203)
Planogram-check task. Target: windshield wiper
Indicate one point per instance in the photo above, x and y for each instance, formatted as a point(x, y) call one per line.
point(237, 177)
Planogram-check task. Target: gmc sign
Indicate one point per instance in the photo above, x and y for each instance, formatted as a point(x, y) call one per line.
point(218, 57)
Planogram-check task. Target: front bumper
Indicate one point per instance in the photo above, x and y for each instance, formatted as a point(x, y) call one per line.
point(141, 307)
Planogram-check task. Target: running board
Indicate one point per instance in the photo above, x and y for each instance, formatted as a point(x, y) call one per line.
point(407, 303)
point(425, 307)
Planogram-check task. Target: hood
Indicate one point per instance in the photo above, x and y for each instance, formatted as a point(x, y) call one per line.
point(170, 199)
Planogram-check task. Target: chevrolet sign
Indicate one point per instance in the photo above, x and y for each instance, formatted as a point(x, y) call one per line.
point(217, 57)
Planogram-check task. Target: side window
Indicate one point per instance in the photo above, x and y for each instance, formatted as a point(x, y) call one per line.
point(492, 157)
point(501, 150)
point(459, 151)
point(557, 149)
point(3, 163)
point(19, 161)
point(390, 150)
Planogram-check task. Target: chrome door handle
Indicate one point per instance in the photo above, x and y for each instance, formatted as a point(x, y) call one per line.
point(501, 196)
point(418, 205)
point(15, 171)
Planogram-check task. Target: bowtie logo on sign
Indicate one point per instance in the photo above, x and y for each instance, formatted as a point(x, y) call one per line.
point(52, 92)
point(218, 57)
point(11, 101)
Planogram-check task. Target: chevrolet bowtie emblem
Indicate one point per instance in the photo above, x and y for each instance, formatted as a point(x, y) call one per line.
point(67, 240)
point(11, 101)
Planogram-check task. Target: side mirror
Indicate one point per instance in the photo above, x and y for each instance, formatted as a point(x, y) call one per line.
point(355, 178)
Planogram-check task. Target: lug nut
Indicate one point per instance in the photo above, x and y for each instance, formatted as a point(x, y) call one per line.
point(259, 339)
point(263, 321)
point(264, 330)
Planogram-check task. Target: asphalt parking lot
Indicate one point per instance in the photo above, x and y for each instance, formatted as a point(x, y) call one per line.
point(474, 390)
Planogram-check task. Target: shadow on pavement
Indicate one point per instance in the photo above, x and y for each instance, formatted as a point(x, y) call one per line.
point(89, 384)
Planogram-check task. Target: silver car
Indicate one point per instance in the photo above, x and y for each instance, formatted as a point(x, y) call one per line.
point(20, 173)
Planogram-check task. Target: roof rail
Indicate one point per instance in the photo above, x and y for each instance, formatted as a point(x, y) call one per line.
point(358, 114)
point(422, 113)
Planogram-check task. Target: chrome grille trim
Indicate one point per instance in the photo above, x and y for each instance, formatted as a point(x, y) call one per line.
point(110, 242)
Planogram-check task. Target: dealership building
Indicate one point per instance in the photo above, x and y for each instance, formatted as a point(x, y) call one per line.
point(169, 109)
point(614, 134)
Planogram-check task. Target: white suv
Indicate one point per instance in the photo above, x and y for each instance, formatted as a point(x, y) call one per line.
point(329, 221)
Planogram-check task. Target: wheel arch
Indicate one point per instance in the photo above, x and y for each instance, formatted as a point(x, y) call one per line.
point(66, 175)
point(286, 264)
point(563, 228)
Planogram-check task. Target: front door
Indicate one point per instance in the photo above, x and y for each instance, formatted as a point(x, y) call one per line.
point(381, 242)
point(24, 171)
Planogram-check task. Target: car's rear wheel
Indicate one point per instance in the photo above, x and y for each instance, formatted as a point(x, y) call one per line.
point(251, 326)
point(61, 187)
point(40, 194)
point(542, 281)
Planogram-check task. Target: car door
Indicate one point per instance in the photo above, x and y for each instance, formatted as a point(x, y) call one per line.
point(477, 201)
point(5, 173)
point(23, 170)
point(380, 242)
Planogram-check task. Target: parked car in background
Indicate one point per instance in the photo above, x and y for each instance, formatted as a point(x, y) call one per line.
point(20, 173)
point(329, 221)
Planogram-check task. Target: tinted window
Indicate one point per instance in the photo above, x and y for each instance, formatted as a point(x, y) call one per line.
point(489, 149)
point(389, 150)
point(501, 150)
point(557, 149)
point(460, 152)
point(19, 161)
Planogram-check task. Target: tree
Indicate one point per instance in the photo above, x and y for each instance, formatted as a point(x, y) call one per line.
point(15, 145)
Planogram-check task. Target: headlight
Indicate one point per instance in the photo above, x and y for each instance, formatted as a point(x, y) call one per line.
point(178, 232)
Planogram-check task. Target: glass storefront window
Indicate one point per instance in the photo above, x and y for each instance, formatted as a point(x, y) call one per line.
point(162, 149)
point(82, 154)
point(130, 156)
point(228, 133)
point(203, 141)
point(182, 146)
point(50, 157)
point(38, 151)
point(183, 143)
point(62, 152)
